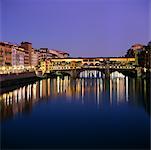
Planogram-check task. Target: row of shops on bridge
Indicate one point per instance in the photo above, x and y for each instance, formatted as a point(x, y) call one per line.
point(74, 63)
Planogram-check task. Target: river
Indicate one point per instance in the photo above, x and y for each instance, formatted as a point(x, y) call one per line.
point(80, 113)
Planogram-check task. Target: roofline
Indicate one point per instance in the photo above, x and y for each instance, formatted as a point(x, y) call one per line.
point(25, 42)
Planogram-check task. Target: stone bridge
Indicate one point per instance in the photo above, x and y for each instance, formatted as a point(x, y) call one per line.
point(74, 66)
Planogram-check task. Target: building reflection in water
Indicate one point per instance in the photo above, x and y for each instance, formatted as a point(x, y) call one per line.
point(96, 91)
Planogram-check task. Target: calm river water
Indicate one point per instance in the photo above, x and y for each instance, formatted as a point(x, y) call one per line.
point(81, 113)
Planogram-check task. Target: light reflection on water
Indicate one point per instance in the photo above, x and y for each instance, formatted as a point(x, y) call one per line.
point(81, 113)
point(96, 91)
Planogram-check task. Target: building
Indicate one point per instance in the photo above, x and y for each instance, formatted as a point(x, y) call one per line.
point(18, 54)
point(28, 50)
point(142, 55)
point(14, 51)
point(130, 53)
point(59, 54)
point(51, 55)
point(43, 53)
point(147, 56)
point(135, 51)
point(34, 57)
point(5, 54)
point(137, 47)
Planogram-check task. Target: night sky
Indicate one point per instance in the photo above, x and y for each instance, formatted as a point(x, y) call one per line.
point(80, 27)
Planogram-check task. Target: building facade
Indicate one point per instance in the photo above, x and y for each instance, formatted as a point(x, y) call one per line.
point(147, 56)
point(18, 55)
point(28, 50)
point(43, 53)
point(34, 57)
point(136, 52)
point(59, 54)
point(5, 54)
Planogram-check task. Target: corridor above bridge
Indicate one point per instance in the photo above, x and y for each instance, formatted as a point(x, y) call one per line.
point(92, 60)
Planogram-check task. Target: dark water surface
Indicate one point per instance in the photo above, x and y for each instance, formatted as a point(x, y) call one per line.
point(81, 113)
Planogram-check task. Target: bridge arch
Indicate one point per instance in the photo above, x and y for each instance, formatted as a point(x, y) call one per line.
point(85, 64)
point(91, 64)
point(97, 64)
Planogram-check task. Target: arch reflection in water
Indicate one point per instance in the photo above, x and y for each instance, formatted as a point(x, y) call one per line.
point(90, 74)
point(85, 91)
point(116, 74)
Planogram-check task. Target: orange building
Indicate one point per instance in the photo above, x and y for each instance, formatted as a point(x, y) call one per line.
point(5, 54)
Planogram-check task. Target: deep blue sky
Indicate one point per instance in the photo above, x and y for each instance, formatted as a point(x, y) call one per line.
point(81, 27)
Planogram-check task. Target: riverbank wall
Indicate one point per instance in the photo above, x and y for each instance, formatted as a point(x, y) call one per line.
point(14, 79)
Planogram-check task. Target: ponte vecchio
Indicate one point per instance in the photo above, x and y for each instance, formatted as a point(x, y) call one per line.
point(74, 66)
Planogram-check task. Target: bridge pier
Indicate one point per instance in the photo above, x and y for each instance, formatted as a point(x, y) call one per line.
point(107, 73)
point(73, 74)
point(139, 71)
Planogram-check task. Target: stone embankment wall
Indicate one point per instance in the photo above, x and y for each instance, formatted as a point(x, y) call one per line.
point(13, 81)
point(8, 77)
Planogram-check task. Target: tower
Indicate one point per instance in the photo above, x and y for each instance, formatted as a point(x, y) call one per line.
point(28, 49)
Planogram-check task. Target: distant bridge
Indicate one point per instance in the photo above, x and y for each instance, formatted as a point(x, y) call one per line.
point(74, 66)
